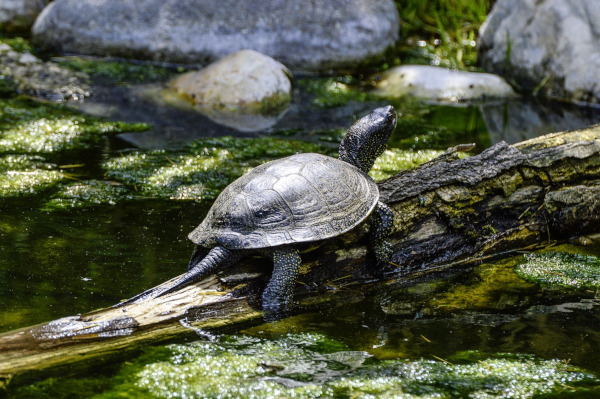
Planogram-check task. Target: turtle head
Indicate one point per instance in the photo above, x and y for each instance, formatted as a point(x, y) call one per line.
point(367, 138)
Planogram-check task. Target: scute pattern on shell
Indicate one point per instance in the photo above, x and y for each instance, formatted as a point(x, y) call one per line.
point(301, 198)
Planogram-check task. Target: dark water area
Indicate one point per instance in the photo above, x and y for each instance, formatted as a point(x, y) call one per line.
point(56, 263)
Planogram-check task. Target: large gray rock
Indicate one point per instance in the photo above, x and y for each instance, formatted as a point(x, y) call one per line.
point(551, 45)
point(304, 35)
point(19, 15)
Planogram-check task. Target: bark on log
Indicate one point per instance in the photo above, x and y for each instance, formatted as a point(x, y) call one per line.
point(448, 212)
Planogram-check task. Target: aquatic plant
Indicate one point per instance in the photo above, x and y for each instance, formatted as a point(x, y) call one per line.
point(22, 175)
point(394, 160)
point(201, 174)
point(311, 365)
point(27, 126)
point(118, 71)
point(561, 269)
point(334, 91)
point(87, 193)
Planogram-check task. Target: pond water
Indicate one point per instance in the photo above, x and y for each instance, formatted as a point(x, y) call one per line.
point(108, 227)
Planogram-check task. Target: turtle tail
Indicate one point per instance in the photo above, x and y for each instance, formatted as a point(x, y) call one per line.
point(217, 259)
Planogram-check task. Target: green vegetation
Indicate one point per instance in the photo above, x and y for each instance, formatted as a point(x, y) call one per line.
point(26, 175)
point(334, 91)
point(313, 366)
point(18, 44)
point(27, 126)
point(561, 269)
point(394, 160)
point(441, 32)
point(118, 71)
point(201, 173)
point(87, 193)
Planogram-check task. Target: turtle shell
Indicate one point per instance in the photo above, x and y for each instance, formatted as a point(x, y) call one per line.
point(301, 198)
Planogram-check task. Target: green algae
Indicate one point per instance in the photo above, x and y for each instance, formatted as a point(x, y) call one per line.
point(118, 71)
point(561, 269)
point(31, 127)
point(19, 44)
point(394, 160)
point(202, 173)
point(310, 365)
point(490, 286)
point(24, 175)
point(16, 183)
point(87, 193)
point(334, 91)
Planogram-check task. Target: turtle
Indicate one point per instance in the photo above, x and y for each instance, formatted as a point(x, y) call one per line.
point(279, 207)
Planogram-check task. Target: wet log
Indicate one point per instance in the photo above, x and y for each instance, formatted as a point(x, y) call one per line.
point(449, 212)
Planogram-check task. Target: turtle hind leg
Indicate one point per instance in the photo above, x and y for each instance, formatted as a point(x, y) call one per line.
point(381, 225)
point(218, 258)
point(278, 295)
point(197, 256)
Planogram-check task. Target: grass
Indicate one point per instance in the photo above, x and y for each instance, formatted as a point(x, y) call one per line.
point(441, 32)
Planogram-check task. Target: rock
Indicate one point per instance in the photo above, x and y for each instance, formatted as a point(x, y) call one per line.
point(17, 16)
point(440, 84)
point(315, 35)
point(245, 90)
point(550, 45)
point(41, 79)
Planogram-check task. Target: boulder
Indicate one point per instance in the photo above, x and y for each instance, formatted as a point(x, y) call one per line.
point(17, 16)
point(303, 35)
point(550, 46)
point(245, 90)
point(440, 84)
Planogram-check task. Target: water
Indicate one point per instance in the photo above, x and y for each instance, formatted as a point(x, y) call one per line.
point(56, 263)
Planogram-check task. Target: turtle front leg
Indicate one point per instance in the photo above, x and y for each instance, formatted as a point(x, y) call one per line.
point(382, 223)
point(278, 294)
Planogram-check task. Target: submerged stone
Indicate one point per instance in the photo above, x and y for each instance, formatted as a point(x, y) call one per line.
point(561, 269)
point(245, 90)
point(315, 35)
point(440, 84)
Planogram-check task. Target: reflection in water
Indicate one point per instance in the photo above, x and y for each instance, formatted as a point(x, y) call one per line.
point(519, 120)
point(63, 263)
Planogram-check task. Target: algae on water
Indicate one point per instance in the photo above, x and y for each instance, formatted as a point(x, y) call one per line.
point(86, 193)
point(394, 160)
point(204, 171)
point(31, 127)
point(26, 175)
point(310, 365)
point(561, 269)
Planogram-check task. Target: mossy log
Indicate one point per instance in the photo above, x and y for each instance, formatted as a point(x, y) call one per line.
point(448, 212)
